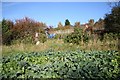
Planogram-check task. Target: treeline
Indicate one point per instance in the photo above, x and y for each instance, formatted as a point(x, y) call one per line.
point(110, 26)
point(22, 29)
point(112, 20)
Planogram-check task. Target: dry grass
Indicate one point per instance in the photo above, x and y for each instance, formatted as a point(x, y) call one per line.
point(59, 45)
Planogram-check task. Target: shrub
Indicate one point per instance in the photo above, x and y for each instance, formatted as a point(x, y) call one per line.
point(76, 37)
point(58, 36)
point(42, 38)
point(111, 36)
point(22, 30)
point(6, 32)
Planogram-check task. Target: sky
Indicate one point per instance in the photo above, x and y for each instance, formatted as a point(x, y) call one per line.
point(52, 13)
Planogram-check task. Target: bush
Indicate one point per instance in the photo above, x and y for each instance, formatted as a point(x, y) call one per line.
point(58, 36)
point(6, 32)
point(42, 38)
point(22, 30)
point(112, 20)
point(111, 36)
point(73, 38)
point(28, 39)
point(76, 37)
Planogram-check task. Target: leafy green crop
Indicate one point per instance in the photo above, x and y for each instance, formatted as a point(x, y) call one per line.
point(71, 64)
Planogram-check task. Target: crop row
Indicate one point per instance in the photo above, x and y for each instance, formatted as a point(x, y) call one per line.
point(69, 64)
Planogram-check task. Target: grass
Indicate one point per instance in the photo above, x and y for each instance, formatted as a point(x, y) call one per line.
point(59, 45)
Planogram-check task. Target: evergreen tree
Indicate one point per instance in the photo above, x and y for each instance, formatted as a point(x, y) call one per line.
point(67, 22)
point(6, 31)
point(112, 20)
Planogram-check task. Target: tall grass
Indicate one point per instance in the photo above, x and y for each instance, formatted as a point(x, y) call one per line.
point(59, 45)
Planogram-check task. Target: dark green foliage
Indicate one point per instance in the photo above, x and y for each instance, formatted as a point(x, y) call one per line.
point(27, 40)
point(6, 32)
point(30, 40)
point(110, 36)
point(42, 38)
point(76, 64)
point(58, 36)
point(112, 20)
point(72, 38)
point(76, 37)
point(85, 38)
point(67, 22)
